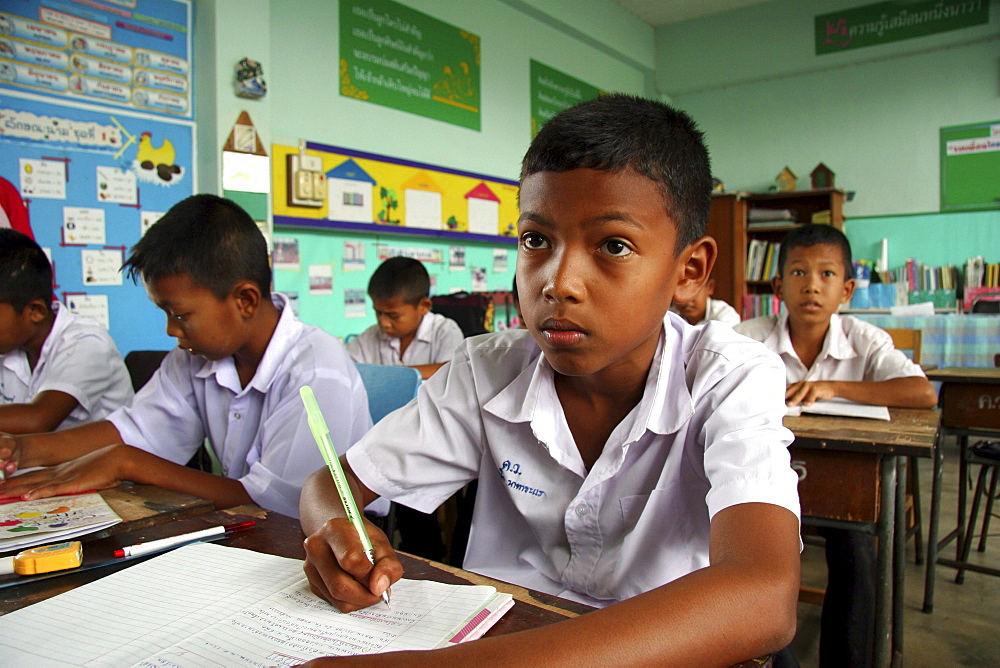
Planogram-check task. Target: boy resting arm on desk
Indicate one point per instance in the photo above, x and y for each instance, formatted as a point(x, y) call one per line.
point(234, 379)
point(407, 333)
point(624, 459)
point(57, 369)
point(827, 355)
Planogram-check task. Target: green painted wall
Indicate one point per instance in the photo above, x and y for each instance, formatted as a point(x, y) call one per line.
point(752, 80)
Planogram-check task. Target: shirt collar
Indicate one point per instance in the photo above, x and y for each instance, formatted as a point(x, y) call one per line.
point(835, 344)
point(278, 349)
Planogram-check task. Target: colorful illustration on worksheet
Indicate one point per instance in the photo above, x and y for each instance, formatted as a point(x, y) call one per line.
point(59, 512)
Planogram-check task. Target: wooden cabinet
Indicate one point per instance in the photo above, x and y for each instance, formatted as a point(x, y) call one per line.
point(731, 220)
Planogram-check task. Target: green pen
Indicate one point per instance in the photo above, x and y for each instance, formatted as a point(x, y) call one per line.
point(320, 432)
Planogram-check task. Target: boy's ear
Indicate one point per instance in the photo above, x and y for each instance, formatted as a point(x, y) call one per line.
point(776, 286)
point(695, 265)
point(424, 305)
point(246, 295)
point(36, 310)
point(849, 286)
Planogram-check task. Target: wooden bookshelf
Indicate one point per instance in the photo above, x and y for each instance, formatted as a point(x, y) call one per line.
point(728, 221)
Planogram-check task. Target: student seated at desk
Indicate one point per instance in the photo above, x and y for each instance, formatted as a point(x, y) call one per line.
point(57, 369)
point(234, 378)
point(624, 459)
point(703, 308)
point(407, 333)
point(827, 355)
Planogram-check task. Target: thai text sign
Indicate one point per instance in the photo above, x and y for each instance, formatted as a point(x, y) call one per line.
point(552, 91)
point(885, 22)
point(397, 57)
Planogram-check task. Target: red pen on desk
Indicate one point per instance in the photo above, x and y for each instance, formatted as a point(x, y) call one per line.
point(175, 541)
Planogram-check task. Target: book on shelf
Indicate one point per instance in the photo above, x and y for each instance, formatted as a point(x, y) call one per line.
point(755, 306)
point(762, 259)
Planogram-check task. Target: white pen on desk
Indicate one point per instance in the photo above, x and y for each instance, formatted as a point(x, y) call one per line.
point(320, 432)
point(176, 541)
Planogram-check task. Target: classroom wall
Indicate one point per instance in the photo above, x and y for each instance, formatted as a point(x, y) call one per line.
point(297, 43)
point(751, 79)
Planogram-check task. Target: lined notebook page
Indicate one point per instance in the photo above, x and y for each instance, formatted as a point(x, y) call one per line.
point(207, 605)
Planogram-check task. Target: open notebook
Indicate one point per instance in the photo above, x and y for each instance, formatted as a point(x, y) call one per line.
point(841, 407)
point(206, 604)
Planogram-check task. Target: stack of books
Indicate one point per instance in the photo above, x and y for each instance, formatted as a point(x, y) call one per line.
point(757, 305)
point(762, 260)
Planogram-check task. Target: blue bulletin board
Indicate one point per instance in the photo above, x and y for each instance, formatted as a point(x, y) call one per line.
point(80, 171)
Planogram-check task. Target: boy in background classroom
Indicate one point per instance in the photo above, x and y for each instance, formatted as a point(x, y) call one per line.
point(703, 308)
point(57, 369)
point(624, 459)
point(234, 378)
point(827, 355)
point(406, 332)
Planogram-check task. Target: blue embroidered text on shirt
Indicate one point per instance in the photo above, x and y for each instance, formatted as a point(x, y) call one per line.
point(513, 484)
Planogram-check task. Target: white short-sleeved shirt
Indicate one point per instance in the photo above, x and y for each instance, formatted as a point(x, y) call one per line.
point(434, 343)
point(853, 350)
point(78, 358)
point(706, 435)
point(259, 432)
point(716, 309)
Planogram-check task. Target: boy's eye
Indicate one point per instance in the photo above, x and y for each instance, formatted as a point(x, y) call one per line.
point(616, 247)
point(178, 316)
point(798, 272)
point(829, 272)
point(533, 241)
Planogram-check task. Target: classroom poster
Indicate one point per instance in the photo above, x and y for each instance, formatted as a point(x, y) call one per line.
point(970, 166)
point(884, 22)
point(134, 54)
point(93, 180)
point(397, 57)
point(552, 91)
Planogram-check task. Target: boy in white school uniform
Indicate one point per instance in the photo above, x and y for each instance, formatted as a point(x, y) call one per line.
point(234, 378)
point(57, 369)
point(827, 355)
point(624, 459)
point(703, 308)
point(407, 332)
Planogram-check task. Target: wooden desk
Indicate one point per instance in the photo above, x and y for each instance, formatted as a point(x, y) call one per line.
point(828, 452)
point(142, 506)
point(970, 406)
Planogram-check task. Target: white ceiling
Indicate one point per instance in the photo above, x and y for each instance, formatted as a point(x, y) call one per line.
point(661, 12)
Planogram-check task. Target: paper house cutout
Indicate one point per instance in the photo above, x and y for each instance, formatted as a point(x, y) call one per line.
point(785, 180)
point(822, 176)
point(350, 192)
point(422, 202)
point(484, 210)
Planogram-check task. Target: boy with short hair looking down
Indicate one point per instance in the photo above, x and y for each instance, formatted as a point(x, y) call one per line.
point(624, 459)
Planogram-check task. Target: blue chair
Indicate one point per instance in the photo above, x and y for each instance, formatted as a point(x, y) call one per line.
point(388, 387)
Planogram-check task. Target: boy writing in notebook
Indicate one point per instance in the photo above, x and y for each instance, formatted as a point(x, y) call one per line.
point(827, 355)
point(624, 459)
point(57, 369)
point(407, 333)
point(234, 379)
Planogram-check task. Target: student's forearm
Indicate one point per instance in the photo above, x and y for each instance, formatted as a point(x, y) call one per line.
point(909, 392)
point(428, 370)
point(61, 446)
point(320, 502)
point(44, 413)
point(142, 467)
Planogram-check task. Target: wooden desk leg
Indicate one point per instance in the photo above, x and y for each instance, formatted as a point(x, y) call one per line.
point(963, 473)
point(932, 526)
point(885, 531)
point(898, 563)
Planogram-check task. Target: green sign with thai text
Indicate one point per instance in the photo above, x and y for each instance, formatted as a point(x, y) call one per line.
point(885, 22)
point(397, 57)
point(552, 91)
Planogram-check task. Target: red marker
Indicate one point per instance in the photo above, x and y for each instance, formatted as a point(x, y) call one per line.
point(175, 541)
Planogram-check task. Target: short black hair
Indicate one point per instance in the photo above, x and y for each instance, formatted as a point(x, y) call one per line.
point(401, 277)
point(209, 238)
point(617, 131)
point(816, 234)
point(25, 272)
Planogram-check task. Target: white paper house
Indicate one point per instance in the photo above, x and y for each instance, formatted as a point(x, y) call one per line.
point(422, 202)
point(484, 210)
point(351, 193)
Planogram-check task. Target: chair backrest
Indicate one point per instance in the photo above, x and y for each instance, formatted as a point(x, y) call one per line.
point(907, 339)
point(388, 387)
point(142, 364)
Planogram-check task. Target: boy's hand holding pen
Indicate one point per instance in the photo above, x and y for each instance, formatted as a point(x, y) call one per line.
point(344, 565)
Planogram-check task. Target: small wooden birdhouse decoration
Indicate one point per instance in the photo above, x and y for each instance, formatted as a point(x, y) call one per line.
point(822, 176)
point(785, 180)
